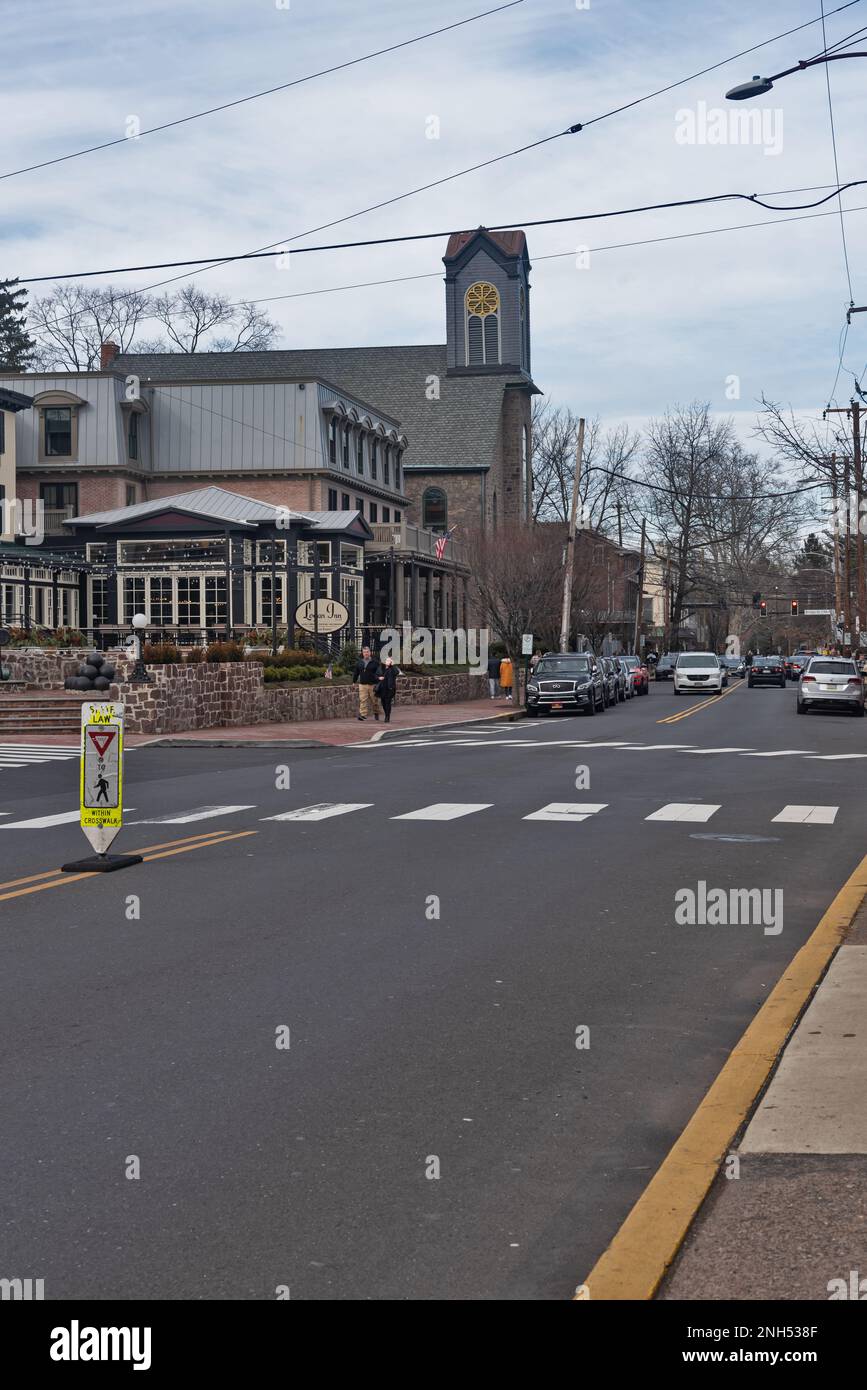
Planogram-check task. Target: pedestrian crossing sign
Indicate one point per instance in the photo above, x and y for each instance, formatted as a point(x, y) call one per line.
point(101, 773)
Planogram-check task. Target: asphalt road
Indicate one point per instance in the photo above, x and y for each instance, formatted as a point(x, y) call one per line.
point(416, 1041)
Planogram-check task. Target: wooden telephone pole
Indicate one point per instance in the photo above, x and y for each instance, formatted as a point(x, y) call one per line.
point(854, 410)
point(566, 616)
point(639, 597)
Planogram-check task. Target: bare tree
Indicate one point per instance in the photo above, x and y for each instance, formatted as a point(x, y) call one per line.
point(517, 573)
point(70, 324)
point(191, 314)
point(604, 479)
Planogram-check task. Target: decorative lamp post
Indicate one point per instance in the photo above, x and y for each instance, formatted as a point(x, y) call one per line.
point(139, 674)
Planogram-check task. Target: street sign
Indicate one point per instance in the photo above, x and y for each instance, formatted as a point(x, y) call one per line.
point(527, 644)
point(101, 773)
point(818, 612)
point(328, 614)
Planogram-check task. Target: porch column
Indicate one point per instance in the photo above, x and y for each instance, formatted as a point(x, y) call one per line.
point(413, 593)
point(399, 614)
point(431, 606)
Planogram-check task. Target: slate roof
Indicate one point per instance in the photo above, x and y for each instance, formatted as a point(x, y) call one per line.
point(462, 428)
point(210, 503)
point(14, 400)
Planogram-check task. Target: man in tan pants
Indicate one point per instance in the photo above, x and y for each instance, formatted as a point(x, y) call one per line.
point(366, 676)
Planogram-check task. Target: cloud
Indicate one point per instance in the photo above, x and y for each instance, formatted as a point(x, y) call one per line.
point(640, 329)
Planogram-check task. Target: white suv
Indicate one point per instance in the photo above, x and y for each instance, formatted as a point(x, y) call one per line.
point(698, 671)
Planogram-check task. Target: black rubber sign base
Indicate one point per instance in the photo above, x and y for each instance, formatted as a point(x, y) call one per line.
point(101, 864)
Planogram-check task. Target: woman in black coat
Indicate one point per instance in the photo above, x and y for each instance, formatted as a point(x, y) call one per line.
point(387, 688)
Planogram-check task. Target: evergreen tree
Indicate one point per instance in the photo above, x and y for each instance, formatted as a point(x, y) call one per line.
point(16, 344)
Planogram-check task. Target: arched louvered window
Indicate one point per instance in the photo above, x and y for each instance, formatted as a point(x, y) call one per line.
point(347, 435)
point(482, 304)
point(434, 509)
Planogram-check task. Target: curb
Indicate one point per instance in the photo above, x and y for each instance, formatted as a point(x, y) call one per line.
point(178, 740)
point(637, 1259)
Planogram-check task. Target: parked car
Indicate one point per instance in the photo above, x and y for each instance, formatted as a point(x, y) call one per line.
point(611, 679)
point(734, 665)
point(767, 670)
point(797, 664)
point(626, 671)
point(638, 672)
point(698, 671)
point(566, 681)
point(665, 666)
point(832, 681)
point(624, 685)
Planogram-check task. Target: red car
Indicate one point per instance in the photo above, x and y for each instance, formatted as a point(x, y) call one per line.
point(638, 674)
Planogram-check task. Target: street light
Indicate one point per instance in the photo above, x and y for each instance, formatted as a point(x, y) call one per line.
point(760, 85)
point(139, 674)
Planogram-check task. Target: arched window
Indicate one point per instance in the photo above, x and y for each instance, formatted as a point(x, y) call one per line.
point(482, 303)
point(434, 509)
point(347, 435)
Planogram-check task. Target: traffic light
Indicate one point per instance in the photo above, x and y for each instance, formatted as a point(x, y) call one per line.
point(756, 599)
point(763, 608)
point(794, 608)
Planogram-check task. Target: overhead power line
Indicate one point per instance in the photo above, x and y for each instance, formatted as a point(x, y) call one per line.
point(753, 198)
point(256, 96)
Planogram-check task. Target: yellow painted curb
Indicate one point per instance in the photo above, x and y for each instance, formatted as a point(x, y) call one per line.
point(636, 1260)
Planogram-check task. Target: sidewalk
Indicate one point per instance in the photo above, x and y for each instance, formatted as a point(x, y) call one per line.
point(793, 1223)
point(327, 733)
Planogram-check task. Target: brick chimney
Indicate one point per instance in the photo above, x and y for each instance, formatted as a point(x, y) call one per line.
point(107, 353)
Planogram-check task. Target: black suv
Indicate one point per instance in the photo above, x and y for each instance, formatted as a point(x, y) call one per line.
point(566, 681)
point(767, 670)
point(665, 666)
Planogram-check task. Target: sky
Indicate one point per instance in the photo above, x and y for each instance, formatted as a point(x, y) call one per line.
point(621, 333)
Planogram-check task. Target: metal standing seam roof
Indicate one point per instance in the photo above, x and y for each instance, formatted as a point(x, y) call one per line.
point(461, 427)
point(211, 503)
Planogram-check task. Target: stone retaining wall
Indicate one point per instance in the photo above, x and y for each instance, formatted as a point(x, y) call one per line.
point(206, 695)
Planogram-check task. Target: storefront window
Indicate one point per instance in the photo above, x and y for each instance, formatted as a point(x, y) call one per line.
point(133, 597)
point(215, 600)
point(189, 600)
point(160, 610)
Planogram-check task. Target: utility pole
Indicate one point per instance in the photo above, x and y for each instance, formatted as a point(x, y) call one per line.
point(854, 410)
point(837, 585)
point(639, 597)
point(619, 526)
point(566, 617)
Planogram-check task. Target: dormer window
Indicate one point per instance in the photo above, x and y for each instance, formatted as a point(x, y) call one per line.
point(132, 435)
point(346, 432)
point(374, 457)
point(359, 453)
point(332, 440)
point(482, 304)
point(57, 424)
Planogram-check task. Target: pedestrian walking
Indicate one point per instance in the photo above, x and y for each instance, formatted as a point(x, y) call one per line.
point(494, 676)
point(506, 676)
point(386, 689)
point(366, 677)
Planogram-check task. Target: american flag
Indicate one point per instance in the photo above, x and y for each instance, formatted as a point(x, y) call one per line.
point(442, 542)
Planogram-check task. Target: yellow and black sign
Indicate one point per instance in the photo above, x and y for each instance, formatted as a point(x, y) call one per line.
point(101, 788)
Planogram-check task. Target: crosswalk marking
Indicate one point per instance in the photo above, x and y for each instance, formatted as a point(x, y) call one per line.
point(45, 822)
point(567, 810)
point(835, 757)
point(780, 753)
point(719, 750)
point(808, 815)
point(324, 810)
point(678, 810)
point(445, 810)
point(198, 813)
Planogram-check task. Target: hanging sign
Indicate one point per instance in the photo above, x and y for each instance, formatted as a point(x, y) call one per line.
point(328, 614)
point(101, 773)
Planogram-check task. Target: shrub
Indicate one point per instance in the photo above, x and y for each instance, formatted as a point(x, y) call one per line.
point(160, 653)
point(193, 655)
point(348, 659)
point(225, 651)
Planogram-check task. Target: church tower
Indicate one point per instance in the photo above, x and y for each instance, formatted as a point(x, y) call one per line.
point(488, 302)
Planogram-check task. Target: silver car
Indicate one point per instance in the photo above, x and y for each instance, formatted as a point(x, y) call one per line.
point(832, 681)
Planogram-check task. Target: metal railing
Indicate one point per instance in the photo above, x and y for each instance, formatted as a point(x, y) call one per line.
point(404, 536)
point(53, 519)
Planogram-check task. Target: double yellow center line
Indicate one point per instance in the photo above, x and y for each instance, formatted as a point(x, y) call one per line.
point(55, 878)
point(702, 704)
